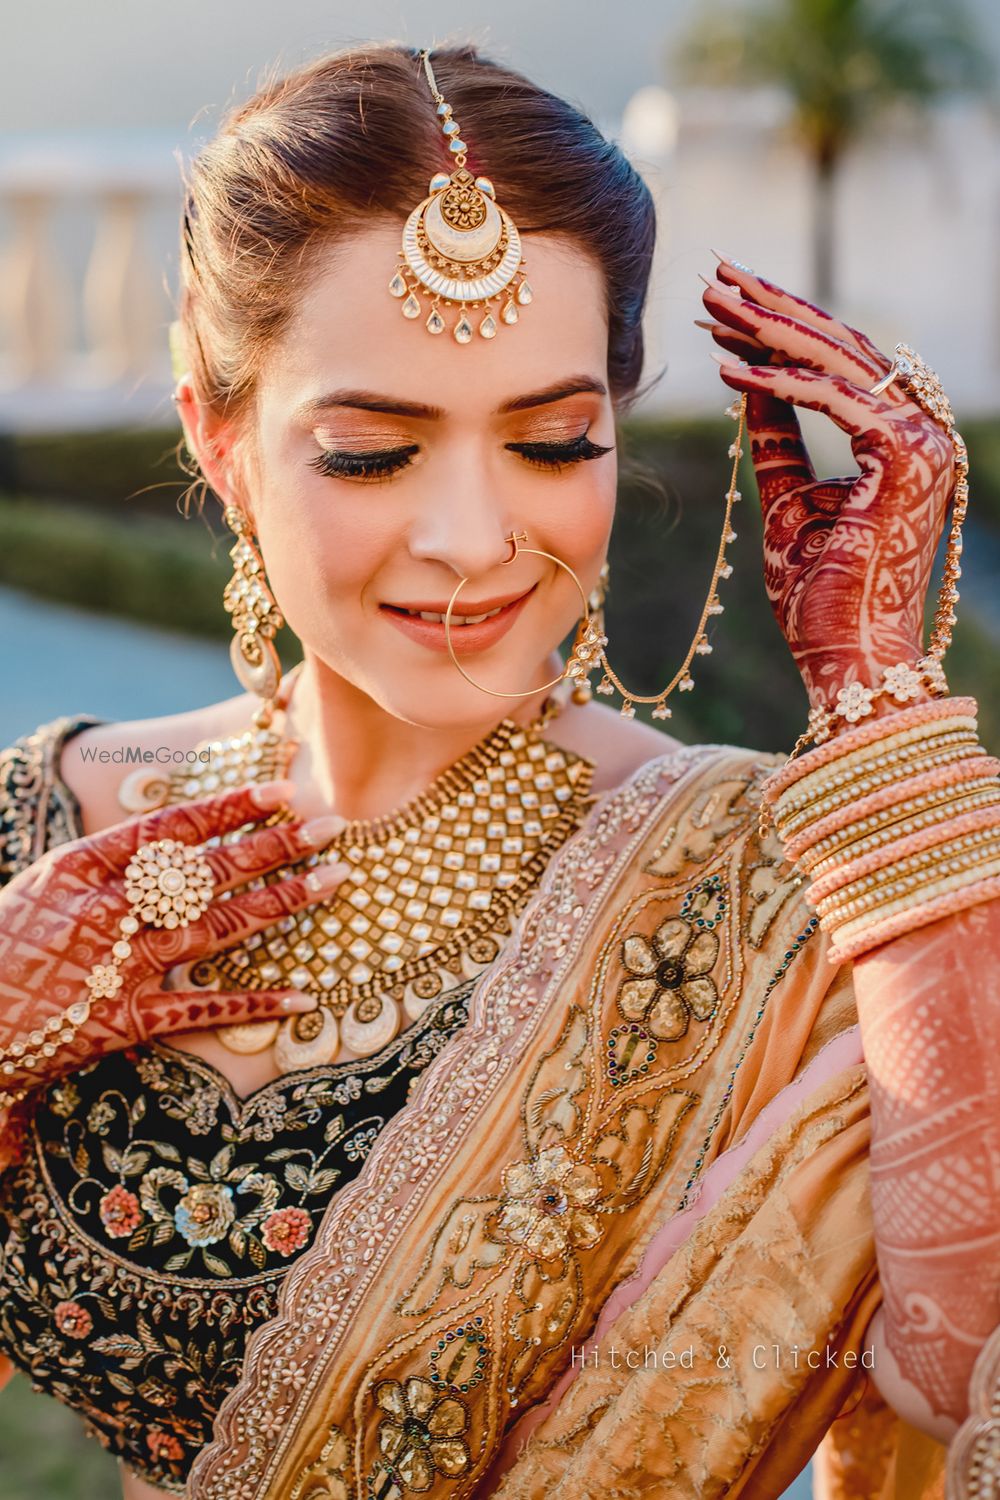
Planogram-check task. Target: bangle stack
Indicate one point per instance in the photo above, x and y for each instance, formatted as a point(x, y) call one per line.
point(896, 822)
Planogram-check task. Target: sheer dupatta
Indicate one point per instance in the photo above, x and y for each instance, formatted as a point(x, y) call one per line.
point(651, 1137)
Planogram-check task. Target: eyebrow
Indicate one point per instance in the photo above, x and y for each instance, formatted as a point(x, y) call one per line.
point(373, 401)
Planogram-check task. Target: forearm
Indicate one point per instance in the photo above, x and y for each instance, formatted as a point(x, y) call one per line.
point(929, 1008)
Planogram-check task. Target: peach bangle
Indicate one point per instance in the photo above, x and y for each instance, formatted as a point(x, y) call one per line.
point(845, 910)
point(873, 936)
point(897, 849)
point(826, 778)
point(873, 833)
point(917, 896)
point(864, 734)
point(791, 820)
point(961, 772)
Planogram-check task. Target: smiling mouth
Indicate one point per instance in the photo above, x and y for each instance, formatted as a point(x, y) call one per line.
point(458, 618)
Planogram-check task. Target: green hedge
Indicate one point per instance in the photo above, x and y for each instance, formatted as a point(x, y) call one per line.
point(80, 533)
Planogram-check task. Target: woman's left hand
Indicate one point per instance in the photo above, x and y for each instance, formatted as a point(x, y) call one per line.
point(847, 561)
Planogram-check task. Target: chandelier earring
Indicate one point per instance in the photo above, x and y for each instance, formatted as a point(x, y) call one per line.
point(590, 636)
point(255, 615)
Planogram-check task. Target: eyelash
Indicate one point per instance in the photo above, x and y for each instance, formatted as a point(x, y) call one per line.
point(381, 466)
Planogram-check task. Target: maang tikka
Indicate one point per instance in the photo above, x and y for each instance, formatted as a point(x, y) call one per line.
point(460, 249)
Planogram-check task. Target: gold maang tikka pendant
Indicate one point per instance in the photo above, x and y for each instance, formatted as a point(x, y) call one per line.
point(459, 247)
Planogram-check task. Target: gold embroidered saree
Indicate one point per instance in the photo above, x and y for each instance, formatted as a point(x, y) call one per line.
point(619, 1242)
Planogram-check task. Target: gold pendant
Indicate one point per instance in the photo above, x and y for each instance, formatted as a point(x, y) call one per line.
point(366, 1037)
point(249, 1038)
point(307, 1041)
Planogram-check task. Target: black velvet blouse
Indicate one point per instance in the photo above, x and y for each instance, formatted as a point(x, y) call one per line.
point(149, 1226)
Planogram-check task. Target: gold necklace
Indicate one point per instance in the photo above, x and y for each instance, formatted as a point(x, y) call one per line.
point(433, 892)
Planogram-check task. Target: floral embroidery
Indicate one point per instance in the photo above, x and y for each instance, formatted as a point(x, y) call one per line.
point(544, 1207)
point(287, 1230)
point(669, 981)
point(205, 1213)
point(162, 1445)
point(152, 1222)
point(73, 1320)
point(420, 1435)
point(120, 1212)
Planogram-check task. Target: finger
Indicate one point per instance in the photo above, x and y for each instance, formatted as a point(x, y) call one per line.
point(780, 459)
point(168, 1011)
point(193, 822)
point(747, 349)
point(269, 849)
point(769, 295)
point(231, 921)
point(800, 343)
point(856, 410)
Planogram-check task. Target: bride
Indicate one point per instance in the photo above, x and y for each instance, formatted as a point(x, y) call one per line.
point(456, 1086)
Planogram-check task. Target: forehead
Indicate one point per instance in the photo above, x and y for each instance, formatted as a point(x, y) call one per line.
point(347, 330)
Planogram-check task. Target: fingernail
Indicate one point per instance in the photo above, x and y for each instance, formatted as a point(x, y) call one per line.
point(318, 832)
point(298, 1002)
point(326, 877)
point(703, 323)
point(270, 794)
point(729, 360)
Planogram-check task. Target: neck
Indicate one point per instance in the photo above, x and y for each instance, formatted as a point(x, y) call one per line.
point(357, 759)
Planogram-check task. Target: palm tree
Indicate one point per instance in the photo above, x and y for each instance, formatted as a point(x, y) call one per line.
point(842, 63)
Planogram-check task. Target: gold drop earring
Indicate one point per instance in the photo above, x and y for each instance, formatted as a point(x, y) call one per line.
point(255, 614)
point(590, 637)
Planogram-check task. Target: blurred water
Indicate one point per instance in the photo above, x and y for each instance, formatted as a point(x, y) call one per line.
point(60, 660)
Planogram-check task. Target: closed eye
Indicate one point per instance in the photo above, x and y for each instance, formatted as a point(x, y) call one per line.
point(557, 455)
point(381, 464)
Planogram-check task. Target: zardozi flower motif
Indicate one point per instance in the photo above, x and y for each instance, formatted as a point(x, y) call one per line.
point(73, 1320)
point(163, 1445)
point(120, 1212)
point(421, 1433)
point(546, 1202)
point(286, 1230)
point(669, 978)
point(205, 1213)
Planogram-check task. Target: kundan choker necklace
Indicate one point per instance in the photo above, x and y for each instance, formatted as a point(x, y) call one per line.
point(432, 893)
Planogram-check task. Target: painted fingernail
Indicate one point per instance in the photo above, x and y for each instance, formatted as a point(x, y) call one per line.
point(326, 877)
point(271, 794)
point(729, 361)
point(318, 832)
point(299, 1002)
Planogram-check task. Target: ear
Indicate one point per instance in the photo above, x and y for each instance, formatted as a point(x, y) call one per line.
point(211, 441)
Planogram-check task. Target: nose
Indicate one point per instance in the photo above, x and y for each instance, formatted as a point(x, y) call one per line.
point(465, 526)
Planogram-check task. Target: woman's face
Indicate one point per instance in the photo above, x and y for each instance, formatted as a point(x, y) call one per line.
point(388, 464)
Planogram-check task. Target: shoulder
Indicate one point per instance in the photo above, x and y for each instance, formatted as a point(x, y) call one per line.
point(620, 748)
point(94, 763)
point(36, 808)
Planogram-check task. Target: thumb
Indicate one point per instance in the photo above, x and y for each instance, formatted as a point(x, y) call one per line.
point(170, 1011)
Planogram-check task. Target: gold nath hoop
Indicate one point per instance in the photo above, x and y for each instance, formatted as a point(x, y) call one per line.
point(588, 650)
point(514, 538)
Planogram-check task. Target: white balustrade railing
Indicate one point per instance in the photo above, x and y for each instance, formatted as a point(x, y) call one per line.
point(84, 308)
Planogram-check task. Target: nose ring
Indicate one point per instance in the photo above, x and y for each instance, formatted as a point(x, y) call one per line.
point(514, 537)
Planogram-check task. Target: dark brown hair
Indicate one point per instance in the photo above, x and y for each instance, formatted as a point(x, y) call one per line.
point(316, 155)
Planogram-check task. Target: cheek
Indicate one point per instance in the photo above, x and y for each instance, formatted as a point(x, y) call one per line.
point(320, 554)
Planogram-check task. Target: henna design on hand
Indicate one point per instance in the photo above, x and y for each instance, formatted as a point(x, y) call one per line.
point(60, 917)
point(847, 561)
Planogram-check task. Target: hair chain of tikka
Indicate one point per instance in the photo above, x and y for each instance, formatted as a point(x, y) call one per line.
point(588, 651)
point(459, 248)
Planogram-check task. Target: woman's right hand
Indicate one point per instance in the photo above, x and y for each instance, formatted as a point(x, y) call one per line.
point(61, 916)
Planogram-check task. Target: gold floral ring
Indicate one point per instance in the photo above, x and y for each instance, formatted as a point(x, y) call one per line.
point(168, 884)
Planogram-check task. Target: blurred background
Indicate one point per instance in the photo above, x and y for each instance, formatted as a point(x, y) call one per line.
point(847, 148)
